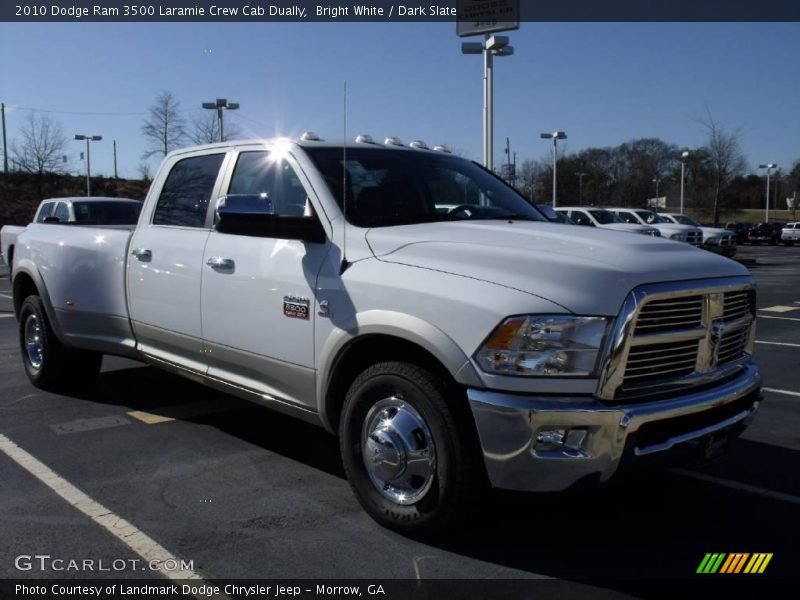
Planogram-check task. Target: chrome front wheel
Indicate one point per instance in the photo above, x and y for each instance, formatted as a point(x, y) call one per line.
point(398, 451)
point(34, 343)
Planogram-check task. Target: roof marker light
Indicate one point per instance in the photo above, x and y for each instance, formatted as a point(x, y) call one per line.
point(393, 141)
point(363, 138)
point(442, 148)
point(419, 145)
point(310, 136)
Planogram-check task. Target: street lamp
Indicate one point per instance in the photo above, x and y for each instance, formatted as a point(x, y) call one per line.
point(769, 168)
point(656, 180)
point(221, 105)
point(88, 138)
point(684, 156)
point(580, 177)
point(555, 136)
point(496, 45)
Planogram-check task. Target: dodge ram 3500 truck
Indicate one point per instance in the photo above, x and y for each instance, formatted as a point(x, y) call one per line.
point(410, 301)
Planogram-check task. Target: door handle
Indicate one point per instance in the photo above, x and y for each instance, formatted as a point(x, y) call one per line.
point(220, 264)
point(142, 254)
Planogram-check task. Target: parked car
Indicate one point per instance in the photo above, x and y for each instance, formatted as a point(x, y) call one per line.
point(446, 349)
point(668, 229)
point(740, 230)
point(553, 215)
point(765, 233)
point(591, 216)
point(92, 210)
point(790, 233)
point(715, 239)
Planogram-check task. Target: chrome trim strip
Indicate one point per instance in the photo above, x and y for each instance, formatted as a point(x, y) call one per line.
point(693, 435)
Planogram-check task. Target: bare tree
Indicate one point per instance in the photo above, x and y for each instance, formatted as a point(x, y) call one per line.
point(144, 171)
point(165, 128)
point(726, 158)
point(205, 129)
point(41, 148)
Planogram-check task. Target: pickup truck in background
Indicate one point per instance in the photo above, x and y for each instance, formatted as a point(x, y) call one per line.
point(411, 302)
point(668, 229)
point(790, 233)
point(592, 216)
point(715, 239)
point(93, 210)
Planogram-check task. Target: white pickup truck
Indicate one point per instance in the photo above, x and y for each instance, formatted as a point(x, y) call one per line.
point(92, 210)
point(412, 302)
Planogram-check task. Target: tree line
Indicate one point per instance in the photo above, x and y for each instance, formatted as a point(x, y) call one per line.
point(630, 174)
point(42, 146)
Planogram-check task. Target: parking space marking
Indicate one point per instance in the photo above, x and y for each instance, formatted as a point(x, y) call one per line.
point(737, 485)
point(777, 391)
point(165, 414)
point(124, 531)
point(778, 344)
point(779, 318)
point(6, 315)
point(779, 309)
point(9, 296)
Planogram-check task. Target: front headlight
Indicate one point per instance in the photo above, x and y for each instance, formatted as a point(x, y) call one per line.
point(536, 345)
point(678, 236)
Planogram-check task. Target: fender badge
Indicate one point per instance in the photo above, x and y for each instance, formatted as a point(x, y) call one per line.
point(295, 307)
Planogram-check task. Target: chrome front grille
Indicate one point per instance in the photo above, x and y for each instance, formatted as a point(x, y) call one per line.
point(695, 237)
point(670, 314)
point(678, 335)
point(727, 240)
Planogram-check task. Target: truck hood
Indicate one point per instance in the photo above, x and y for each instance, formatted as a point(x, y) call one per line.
point(586, 270)
point(629, 227)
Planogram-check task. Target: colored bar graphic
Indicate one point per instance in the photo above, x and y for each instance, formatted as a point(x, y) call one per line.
point(721, 562)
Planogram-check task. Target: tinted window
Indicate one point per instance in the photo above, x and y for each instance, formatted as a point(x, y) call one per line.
point(261, 174)
point(186, 193)
point(395, 187)
point(106, 213)
point(46, 211)
point(605, 217)
point(62, 213)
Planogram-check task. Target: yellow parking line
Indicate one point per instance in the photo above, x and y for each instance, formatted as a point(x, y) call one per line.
point(165, 414)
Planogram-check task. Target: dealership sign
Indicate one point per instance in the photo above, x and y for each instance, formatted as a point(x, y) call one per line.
point(474, 17)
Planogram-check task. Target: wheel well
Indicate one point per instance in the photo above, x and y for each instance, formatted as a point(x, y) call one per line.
point(24, 286)
point(368, 350)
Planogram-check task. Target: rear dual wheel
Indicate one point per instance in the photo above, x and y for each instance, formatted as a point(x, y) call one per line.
point(49, 364)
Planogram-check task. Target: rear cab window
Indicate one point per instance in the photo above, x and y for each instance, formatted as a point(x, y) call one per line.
point(184, 199)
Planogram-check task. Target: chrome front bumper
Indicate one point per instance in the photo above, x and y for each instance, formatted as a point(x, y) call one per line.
point(521, 453)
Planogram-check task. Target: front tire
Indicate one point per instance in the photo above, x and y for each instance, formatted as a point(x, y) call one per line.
point(48, 363)
point(409, 455)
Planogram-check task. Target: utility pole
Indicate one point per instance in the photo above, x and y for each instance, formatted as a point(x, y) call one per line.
point(5, 144)
point(115, 160)
point(580, 177)
point(88, 138)
point(508, 162)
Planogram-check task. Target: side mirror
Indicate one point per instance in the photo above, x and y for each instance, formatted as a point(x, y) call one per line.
point(584, 221)
point(253, 215)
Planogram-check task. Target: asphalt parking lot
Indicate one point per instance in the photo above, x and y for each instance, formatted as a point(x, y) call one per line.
point(243, 492)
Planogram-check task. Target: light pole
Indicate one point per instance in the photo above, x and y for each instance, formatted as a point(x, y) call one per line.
point(496, 45)
point(580, 177)
point(221, 105)
point(656, 180)
point(88, 138)
point(555, 136)
point(684, 156)
point(769, 168)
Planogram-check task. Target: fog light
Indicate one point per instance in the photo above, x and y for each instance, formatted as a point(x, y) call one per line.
point(551, 437)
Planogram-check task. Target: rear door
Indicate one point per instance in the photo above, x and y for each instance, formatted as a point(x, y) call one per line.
point(258, 298)
point(165, 262)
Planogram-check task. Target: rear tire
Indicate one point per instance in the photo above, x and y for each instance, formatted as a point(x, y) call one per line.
point(409, 456)
point(49, 364)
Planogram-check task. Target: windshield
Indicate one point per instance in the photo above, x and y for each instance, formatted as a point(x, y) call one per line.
point(650, 217)
point(684, 220)
point(604, 217)
point(106, 213)
point(392, 187)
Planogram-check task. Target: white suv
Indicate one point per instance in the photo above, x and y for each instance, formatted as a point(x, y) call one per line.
point(591, 216)
point(681, 233)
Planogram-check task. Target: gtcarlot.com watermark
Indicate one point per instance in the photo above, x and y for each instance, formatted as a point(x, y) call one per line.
point(46, 562)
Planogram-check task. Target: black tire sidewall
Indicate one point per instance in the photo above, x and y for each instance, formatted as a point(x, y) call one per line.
point(431, 511)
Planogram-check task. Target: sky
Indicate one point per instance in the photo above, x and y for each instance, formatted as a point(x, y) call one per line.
point(602, 83)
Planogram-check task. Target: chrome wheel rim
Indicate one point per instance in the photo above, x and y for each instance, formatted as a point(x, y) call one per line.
point(398, 451)
point(33, 341)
